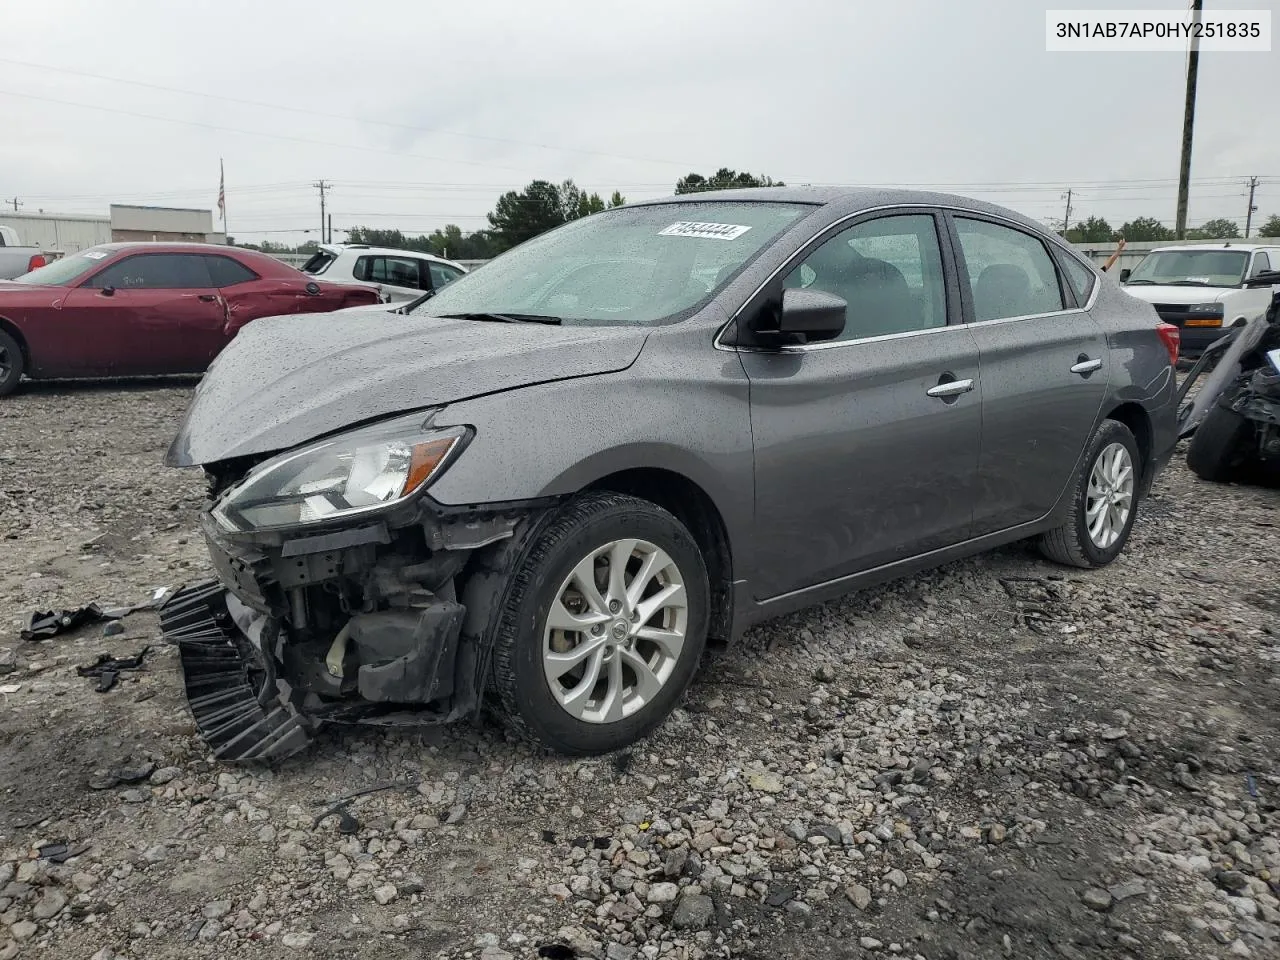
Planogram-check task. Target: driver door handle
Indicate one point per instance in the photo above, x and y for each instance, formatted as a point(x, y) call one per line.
point(207, 297)
point(1086, 366)
point(952, 388)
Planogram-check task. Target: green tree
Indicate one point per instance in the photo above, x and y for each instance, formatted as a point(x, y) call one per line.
point(617, 200)
point(1143, 229)
point(1093, 230)
point(1219, 229)
point(723, 179)
point(1271, 228)
point(539, 207)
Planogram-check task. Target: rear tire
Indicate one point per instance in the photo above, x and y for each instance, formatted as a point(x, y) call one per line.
point(12, 364)
point(626, 648)
point(1217, 451)
point(1097, 528)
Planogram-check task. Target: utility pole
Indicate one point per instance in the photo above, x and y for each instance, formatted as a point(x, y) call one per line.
point(16, 204)
point(322, 187)
point(1066, 217)
point(331, 228)
point(1248, 217)
point(1188, 121)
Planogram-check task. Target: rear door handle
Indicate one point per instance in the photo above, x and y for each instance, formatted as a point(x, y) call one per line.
point(207, 297)
point(952, 388)
point(1086, 366)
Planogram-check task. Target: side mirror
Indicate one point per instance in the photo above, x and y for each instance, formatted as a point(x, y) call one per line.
point(108, 291)
point(1124, 274)
point(816, 314)
point(1267, 278)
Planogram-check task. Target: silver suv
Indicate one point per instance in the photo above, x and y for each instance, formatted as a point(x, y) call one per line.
point(547, 486)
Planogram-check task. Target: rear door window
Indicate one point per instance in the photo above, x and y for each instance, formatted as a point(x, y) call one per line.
point(1080, 277)
point(226, 272)
point(155, 271)
point(394, 271)
point(1010, 273)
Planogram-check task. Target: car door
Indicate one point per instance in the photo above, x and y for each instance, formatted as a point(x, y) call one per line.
point(866, 447)
point(1044, 369)
point(238, 286)
point(400, 278)
point(149, 313)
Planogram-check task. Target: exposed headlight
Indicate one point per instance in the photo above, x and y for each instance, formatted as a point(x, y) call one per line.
point(358, 472)
point(1212, 309)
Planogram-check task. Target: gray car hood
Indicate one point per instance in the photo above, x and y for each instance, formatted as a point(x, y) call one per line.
point(286, 380)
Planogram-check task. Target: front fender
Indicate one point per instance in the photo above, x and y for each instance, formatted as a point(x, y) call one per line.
point(555, 439)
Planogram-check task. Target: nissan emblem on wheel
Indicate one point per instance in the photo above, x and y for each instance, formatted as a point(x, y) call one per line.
point(546, 488)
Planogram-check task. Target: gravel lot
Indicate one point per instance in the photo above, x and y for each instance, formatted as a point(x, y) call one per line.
point(998, 759)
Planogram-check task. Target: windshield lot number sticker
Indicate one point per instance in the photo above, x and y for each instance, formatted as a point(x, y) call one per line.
point(707, 231)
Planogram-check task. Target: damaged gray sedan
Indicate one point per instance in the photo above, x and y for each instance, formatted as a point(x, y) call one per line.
point(548, 486)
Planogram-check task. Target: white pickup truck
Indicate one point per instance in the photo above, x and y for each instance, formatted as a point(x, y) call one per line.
point(15, 259)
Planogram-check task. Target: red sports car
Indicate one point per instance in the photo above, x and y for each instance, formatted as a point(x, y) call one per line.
point(129, 309)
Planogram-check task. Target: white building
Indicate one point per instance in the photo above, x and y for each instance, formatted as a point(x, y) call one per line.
point(58, 233)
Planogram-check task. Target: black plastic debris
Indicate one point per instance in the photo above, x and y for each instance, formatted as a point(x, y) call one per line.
point(60, 852)
point(557, 951)
point(50, 623)
point(107, 669)
point(548, 836)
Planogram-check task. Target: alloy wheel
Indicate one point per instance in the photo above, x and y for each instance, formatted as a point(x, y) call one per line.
point(1109, 499)
point(615, 631)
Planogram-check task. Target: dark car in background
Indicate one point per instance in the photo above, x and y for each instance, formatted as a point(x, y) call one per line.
point(549, 484)
point(132, 309)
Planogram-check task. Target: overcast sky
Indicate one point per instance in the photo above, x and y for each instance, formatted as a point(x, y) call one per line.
point(422, 112)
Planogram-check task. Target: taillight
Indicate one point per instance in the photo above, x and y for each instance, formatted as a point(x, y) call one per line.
point(1172, 340)
point(36, 262)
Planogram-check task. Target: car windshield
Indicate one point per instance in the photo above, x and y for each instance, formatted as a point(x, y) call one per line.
point(1193, 268)
point(62, 272)
point(633, 265)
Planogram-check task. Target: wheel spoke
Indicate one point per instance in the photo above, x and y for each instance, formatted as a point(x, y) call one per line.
point(670, 642)
point(647, 683)
point(575, 700)
point(619, 554)
point(611, 705)
point(1097, 526)
point(560, 617)
point(672, 595)
point(1096, 505)
point(650, 566)
point(558, 664)
point(584, 576)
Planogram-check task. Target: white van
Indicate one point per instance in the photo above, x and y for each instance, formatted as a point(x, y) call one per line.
point(1200, 287)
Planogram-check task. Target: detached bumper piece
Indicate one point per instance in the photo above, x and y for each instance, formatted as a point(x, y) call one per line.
point(241, 709)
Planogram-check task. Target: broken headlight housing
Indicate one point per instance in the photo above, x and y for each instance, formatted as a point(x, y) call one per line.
point(359, 472)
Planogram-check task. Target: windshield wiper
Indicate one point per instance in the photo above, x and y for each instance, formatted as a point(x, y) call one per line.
point(505, 318)
point(1188, 283)
point(1133, 283)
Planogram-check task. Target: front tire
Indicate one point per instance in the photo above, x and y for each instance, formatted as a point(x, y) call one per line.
point(603, 625)
point(12, 364)
point(1219, 448)
point(1104, 502)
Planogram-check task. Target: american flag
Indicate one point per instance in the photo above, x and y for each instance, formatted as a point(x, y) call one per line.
point(222, 191)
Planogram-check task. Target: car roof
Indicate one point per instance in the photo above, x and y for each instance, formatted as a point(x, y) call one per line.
point(1245, 246)
point(161, 246)
point(847, 199)
point(384, 251)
